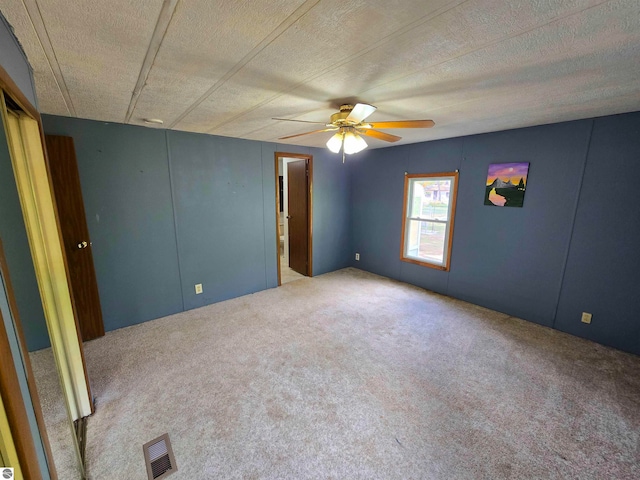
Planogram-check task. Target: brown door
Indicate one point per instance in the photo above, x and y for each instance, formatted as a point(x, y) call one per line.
point(298, 189)
point(65, 180)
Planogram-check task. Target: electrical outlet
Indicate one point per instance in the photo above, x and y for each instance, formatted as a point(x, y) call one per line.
point(586, 317)
point(357, 256)
point(198, 288)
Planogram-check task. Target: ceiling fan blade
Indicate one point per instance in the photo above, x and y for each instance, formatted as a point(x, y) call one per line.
point(309, 133)
point(294, 120)
point(387, 137)
point(360, 112)
point(404, 124)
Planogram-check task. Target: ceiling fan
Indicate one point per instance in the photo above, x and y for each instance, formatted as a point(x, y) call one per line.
point(349, 125)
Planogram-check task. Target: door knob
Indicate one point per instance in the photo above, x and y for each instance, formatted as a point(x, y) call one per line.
point(82, 245)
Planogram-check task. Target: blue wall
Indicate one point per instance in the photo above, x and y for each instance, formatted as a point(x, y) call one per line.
point(331, 216)
point(220, 218)
point(125, 181)
point(529, 262)
point(512, 259)
point(168, 209)
point(603, 265)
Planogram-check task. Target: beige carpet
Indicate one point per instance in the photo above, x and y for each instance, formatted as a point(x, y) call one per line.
point(353, 376)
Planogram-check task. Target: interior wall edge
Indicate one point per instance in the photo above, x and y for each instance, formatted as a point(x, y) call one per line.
point(587, 148)
point(603, 265)
point(174, 214)
point(270, 233)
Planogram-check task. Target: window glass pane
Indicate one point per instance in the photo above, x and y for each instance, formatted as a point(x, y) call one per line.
point(426, 240)
point(430, 199)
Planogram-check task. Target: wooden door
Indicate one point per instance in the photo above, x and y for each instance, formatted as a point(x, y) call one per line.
point(298, 191)
point(65, 181)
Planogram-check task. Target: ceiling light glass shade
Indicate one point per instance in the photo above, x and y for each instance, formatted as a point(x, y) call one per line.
point(335, 143)
point(353, 143)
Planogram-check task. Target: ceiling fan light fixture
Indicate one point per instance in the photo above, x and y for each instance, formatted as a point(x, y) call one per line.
point(353, 143)
point(350, 126)
point(335, 142)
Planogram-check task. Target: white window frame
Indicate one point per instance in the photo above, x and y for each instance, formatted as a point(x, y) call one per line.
point(409, 185)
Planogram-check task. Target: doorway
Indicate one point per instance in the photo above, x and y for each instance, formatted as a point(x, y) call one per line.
point(294, 186)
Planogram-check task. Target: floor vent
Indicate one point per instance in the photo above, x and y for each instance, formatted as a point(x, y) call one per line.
point(158, 457)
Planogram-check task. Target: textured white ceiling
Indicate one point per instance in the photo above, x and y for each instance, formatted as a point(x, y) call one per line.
point(226, 67)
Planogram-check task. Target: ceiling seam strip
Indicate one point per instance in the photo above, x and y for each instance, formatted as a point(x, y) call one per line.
point(300, 12)
point(532, 102)
point(528, 103)
point(491, 44)
point(523, 89)
point(34, 13)
point(162, 25)
point(468, 52)
point(549, 99)
point(407, 28)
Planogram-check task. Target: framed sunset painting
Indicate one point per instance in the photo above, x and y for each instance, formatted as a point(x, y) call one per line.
point(506, 184)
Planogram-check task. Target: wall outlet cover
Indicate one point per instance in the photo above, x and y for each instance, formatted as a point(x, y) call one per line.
point(198, 288)
point(586, 317)
point(357, 256)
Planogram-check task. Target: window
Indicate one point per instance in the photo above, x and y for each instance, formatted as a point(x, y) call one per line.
point(427, 222)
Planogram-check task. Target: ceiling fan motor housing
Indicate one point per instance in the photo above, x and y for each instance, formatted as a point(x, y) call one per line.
point(339, 118)
point(349, 124)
